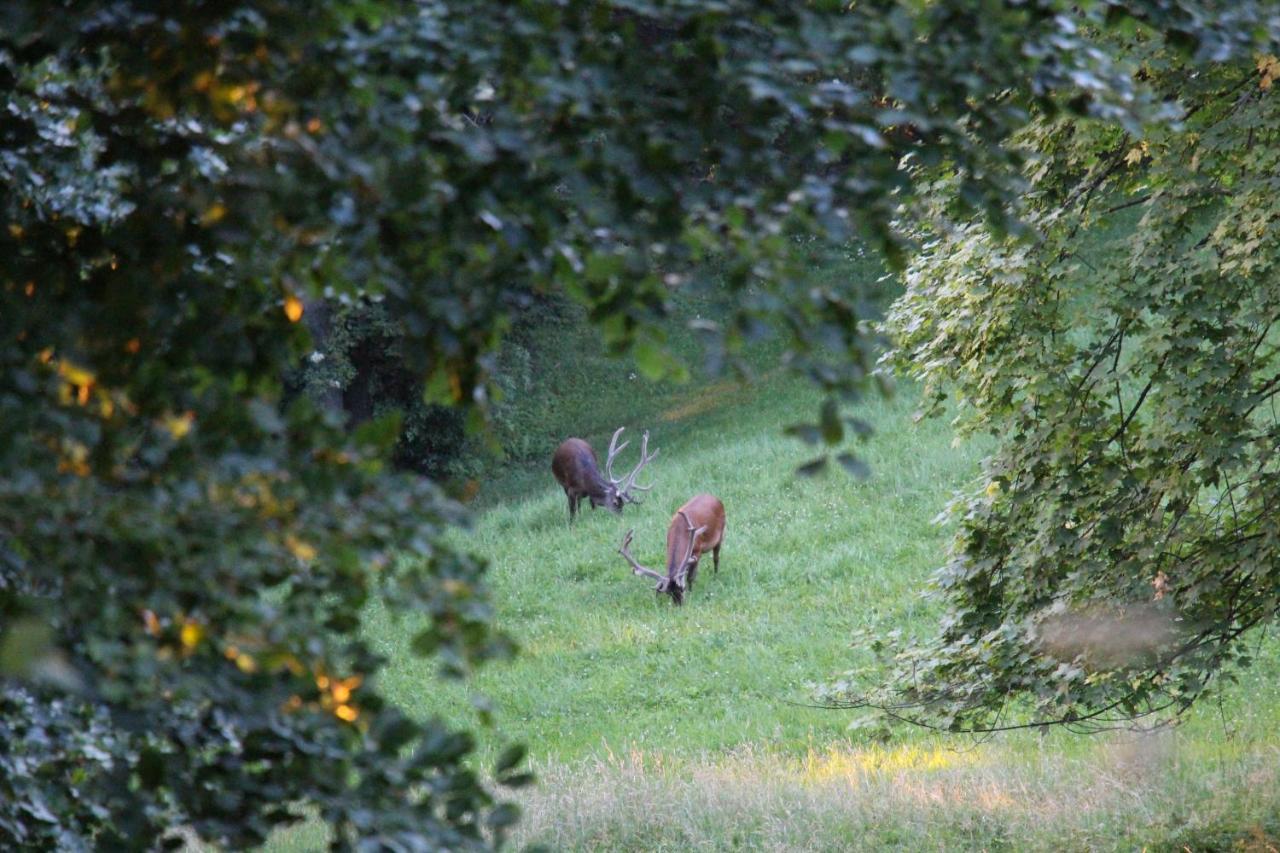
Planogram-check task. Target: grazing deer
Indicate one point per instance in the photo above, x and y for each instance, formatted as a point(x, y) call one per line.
point(578, 473)
point(697, 527)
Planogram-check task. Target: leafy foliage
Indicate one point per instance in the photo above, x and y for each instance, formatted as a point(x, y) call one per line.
point(1120, 545)
point(185, 555)
point(358, 368)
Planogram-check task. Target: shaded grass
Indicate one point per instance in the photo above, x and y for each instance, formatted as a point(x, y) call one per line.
point(577, 388)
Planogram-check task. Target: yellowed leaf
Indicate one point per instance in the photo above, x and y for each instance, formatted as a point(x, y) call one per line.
point(342, 690)
point(191, 634)
point(291, 663)
point(74, 373)
point(293, 308)
point(215, 213)
point(179, 425)
point(1268, 70)
point(302, 550)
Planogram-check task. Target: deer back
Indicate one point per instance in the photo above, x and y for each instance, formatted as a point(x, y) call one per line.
point(704, 512)
point(576, 468)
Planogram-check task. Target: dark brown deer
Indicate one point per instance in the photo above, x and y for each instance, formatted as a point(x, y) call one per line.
point(697, 527)
point(578, 472)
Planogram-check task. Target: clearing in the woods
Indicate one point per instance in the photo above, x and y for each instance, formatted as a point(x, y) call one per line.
point(657, 728)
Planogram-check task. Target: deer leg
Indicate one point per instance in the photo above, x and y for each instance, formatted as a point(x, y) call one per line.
point(573, 506)
point(715, 558)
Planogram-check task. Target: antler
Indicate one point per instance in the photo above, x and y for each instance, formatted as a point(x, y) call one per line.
point(629, 484)
point(614, 450)
point(636, 568)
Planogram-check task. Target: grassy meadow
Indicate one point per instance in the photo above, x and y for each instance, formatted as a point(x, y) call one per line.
point(659, 728)
point(608, 666)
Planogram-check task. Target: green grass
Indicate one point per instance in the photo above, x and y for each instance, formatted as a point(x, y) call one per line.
point(628, 702)
point(576, 388)
point(606, 665)
point(661, 728)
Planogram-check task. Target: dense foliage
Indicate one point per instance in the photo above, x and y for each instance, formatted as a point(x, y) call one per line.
point(1120, 545)
point(186, 549)
point(357, 367)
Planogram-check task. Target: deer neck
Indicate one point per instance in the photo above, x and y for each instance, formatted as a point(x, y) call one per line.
point(678, 545)
point(597, 486)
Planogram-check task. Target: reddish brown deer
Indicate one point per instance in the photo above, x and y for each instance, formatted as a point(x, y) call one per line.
point(578, 472)
point(697, 527)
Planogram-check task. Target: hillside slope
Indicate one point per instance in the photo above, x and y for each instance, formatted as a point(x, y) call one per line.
point(656, 728)
point(606, 665)
point(626, 701)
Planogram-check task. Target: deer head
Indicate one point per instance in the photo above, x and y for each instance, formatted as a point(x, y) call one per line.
point(696, 527)
point(674, 584)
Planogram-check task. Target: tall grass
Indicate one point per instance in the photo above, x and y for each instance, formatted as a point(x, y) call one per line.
point(1136, 793)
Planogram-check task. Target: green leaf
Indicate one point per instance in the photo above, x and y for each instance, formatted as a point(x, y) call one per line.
point(832, 428)
point(808, 433)
point(855, 466)
point(813, 467)
point(509, 758)
point(652, 360)
point(150, 768)
point(503, 816)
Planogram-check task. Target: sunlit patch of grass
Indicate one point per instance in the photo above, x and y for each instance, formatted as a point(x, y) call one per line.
point(710, 397)
point(840, 761)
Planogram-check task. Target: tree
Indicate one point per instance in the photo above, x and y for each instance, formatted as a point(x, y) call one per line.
point(1119, 546)
point(185, 556)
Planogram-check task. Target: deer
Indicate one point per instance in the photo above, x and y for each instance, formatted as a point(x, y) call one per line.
point(696, 527)
point(577, 470)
